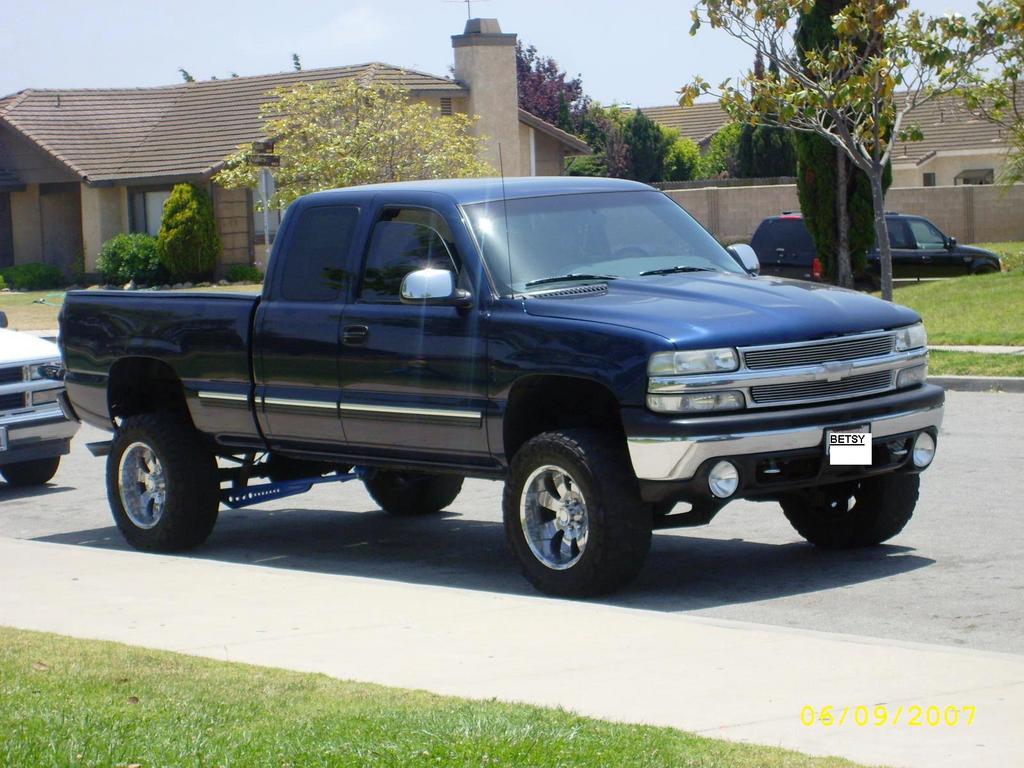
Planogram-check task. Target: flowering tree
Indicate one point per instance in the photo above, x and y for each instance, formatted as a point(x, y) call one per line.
point(848, 94)
point(343, 133)
point(548, 92)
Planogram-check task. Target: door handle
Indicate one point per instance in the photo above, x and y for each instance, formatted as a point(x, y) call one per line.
point(354, 334)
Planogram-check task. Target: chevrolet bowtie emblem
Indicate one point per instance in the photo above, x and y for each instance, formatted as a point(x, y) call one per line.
point(835, 371)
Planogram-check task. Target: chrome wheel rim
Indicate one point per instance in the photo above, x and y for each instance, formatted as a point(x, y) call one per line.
point(553, 516)
point(142, 485)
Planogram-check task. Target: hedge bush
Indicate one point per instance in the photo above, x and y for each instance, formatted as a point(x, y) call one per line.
point(3, 283)
point(131, 257)
point(188, 242)
point(243, 273)
point(33, 276)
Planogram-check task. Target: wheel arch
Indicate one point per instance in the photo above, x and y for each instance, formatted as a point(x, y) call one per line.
point(544, 402)
point(138, 385)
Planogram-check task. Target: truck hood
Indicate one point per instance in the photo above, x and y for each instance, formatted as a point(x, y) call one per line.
point(17, 348)
point(722, 309)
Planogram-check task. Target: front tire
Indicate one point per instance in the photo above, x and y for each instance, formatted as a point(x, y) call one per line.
point(162, 484)
point(28, 473)
point(573, 514)
point(411, 494)
point(849, 515)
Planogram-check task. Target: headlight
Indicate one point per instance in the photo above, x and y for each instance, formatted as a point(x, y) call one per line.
point(908, 377)
point(53, 370)
point(911, 337)
point(728, 400)
point(693, 361)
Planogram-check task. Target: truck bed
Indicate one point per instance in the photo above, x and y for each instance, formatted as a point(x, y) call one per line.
point(202, 338)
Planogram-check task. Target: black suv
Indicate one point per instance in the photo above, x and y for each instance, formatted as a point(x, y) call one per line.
point(919, 249)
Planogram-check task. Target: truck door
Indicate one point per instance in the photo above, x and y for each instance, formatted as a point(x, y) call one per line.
point(937, 260)
point(907, 261)
point(295, 337)
point(413, 376)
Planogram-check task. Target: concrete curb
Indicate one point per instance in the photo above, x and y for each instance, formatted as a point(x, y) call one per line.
point(979, 383)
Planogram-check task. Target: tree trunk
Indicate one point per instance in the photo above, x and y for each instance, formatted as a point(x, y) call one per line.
point(881, 229)
point(844, 271)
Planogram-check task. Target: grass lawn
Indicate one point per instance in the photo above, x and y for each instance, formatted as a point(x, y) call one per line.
point(980, 309)
point(943, 363)
point(26, 313)
point(66, 702)
point(1011, 253)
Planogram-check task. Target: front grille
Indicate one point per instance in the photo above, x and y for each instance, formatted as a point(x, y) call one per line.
point(821, 390)
point(12, 402)
point(813, 353)
point(11, 375)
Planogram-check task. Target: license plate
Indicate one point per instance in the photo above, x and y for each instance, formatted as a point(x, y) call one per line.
point(3, 438)
point(849, 447)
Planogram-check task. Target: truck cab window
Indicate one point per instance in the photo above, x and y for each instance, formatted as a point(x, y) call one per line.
point(404, 240)
point(318, 264)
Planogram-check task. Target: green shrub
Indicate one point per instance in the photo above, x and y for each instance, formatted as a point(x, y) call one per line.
point(131, 257)
point(682, 161)
point(243, 273)
point(188, 243)
point(3, 283)
point(32, 277)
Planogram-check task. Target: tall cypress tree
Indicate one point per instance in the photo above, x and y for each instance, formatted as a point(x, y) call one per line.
point(818, 168)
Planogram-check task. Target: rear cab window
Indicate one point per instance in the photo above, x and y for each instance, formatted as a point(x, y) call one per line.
point(318, 267)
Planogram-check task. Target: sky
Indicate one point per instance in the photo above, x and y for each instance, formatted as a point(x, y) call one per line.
point(636, 53)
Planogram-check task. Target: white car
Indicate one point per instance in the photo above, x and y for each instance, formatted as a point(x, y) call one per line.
point(34, 432)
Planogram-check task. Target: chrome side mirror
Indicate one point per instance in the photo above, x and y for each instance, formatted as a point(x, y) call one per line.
point(3, 319)
point(745, 257)
point(433, 286)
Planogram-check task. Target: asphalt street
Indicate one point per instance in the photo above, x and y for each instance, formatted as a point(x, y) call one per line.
point(953, 577)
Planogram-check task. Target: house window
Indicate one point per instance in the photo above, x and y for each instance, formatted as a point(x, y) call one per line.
point(147, 209)
point(273, 215)
point(929, 179)
point(976, 176)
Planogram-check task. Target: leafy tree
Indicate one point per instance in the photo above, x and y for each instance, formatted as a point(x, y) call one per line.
point(188, 243)
point(340, 134)
point(765, 150)
point(845, 95)
point(999, 97)
point(604, 130)
point(721, 158)
point(547, 92)
point(296, 62)
point(649, 145)
point(186, 76)
point(842, 225)
point(683, 160)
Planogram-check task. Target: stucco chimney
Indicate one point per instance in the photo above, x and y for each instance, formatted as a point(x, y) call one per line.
point(485, 61)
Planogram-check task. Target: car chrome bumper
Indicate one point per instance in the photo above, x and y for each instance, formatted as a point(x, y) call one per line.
point(678, 457)
point(35, 434)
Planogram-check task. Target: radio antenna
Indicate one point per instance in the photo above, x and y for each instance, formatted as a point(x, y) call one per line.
point(504, 206)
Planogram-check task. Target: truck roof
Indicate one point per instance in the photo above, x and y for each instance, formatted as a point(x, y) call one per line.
point(465, 191)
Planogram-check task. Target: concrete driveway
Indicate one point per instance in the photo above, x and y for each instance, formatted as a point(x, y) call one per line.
point(953, 577)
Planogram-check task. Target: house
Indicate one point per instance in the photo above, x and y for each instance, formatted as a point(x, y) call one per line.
point(80, 166)
point(958, 148)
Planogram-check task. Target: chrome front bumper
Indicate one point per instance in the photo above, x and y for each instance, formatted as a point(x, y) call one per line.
point(671, 457)
point(30, 433)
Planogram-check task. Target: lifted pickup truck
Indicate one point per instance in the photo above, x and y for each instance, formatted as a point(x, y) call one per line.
point(584, 340)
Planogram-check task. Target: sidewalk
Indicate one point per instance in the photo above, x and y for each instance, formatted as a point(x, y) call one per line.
point(731, 680)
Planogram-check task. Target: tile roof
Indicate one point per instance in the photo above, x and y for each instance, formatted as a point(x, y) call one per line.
point(179, 130)
point(946, 125)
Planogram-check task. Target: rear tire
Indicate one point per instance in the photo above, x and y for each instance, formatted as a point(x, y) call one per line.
point(162, 484)
point(27, 473)
point(410, 494)
point(849, 515)
point(573, 514)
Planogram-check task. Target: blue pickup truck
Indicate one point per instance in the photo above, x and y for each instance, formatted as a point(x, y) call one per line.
point(583, 340)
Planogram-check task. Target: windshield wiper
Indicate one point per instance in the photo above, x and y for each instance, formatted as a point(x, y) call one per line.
point(568, 277)
point(673, 270)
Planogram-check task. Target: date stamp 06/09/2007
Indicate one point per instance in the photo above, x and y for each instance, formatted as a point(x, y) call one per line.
point(882, 715)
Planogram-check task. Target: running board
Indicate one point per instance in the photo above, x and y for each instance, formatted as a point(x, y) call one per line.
point(100, 449)
point(237, 498)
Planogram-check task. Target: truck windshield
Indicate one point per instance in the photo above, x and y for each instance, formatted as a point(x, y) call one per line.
point(607, 234)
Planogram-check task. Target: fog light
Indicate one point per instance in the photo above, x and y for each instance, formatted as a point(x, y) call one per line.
point(723, 479)
point(924, 450)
